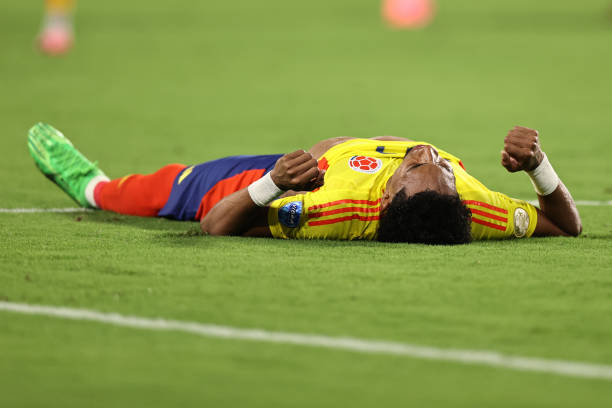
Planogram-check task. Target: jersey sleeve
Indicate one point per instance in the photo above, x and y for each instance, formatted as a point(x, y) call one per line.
point(324, 215)
point(497, 216)
point(286, 216)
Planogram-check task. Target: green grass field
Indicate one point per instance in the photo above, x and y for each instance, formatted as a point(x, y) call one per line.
point(151, 82)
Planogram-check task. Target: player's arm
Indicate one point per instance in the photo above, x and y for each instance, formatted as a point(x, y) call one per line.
point(558, 214)
point(245, 212)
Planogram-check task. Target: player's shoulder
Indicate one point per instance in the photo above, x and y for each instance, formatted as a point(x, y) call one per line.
point(496, 215)
point(384, 149)
point(375, 149)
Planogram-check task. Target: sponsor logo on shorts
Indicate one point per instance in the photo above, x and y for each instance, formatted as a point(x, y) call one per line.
point(185, 174)
point(521, 222)
point(365, 164)
point(289, 214)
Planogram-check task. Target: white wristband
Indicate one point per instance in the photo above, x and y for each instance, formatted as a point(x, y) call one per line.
point(544, 178)
point(264, 191)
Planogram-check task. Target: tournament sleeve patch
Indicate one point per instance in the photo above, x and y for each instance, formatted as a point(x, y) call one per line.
point(289, 214)
point(521, 222)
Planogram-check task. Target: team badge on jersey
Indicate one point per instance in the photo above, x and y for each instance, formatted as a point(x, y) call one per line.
point(365, 164)
point(289, 214)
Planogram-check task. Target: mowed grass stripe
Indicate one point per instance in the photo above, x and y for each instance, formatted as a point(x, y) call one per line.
point(478, 357)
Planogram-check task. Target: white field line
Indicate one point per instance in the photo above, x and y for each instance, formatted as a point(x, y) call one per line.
point(479, 357)
point(589, 203)
point(586, 203)
point(42, 210)
point(594, 203)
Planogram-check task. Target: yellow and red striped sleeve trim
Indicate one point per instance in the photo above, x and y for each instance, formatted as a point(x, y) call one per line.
point(346, 211)
point(347, 201)
point(486, 217)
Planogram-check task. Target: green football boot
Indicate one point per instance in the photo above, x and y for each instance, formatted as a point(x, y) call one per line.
point(60, 162)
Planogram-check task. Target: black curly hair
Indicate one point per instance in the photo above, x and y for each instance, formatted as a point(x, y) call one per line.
point(427, 217)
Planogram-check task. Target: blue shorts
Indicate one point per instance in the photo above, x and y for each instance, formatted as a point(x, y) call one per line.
point(196, 189)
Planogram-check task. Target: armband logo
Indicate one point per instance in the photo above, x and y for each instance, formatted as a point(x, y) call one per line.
point(364, 164)
point(289, 214)
point(521, 222)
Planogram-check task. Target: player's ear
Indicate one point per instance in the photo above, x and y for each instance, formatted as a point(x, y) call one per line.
point(385, 201)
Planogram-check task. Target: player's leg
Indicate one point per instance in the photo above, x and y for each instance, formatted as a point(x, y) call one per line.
point(57, 33)
point(56, 157)
point(198, 188)
point(175, 191)
point(137, 194)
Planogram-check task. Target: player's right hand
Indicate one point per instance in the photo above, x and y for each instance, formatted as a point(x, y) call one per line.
point(521, 150)
point(297, 171)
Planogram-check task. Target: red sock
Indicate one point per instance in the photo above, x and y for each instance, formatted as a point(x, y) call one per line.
point(138, 194)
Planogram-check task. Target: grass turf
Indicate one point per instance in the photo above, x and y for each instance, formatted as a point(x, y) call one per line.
point(151, 83)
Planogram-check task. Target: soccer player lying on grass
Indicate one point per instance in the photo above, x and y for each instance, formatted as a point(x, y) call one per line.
point(385, 188)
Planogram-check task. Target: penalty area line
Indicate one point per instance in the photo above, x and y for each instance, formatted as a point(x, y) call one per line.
point(473, 357)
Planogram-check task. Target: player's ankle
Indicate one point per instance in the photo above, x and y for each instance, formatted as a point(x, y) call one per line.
point(92, 189)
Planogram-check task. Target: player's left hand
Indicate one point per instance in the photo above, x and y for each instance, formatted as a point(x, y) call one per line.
point(522, 150)
point(297, 171)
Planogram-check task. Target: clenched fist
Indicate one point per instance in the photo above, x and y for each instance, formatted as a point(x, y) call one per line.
point(297, 171)
point(521, 150)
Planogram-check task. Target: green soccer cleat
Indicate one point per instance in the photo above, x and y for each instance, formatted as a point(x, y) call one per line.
point(60, 162)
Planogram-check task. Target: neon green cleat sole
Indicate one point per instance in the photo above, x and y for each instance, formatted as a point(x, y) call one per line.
point(61, 163)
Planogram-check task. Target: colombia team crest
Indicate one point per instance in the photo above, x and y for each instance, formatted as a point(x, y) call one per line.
point(365, 164)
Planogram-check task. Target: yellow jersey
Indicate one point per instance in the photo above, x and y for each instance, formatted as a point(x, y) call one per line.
point(347, 206)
